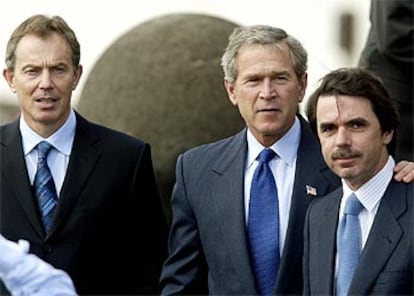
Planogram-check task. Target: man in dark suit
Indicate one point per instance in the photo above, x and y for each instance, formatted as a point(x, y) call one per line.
point(101, 219)
point(209, 245)
point(389, 53)
point(356, 122)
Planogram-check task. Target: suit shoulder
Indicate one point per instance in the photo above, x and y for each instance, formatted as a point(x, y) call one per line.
point(400, 190)
point(209, 150)
point(400, 187)
point(110, 135)
point(8, 129)
point(328, 199)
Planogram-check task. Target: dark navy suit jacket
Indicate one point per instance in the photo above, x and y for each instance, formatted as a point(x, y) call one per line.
point(109, 231)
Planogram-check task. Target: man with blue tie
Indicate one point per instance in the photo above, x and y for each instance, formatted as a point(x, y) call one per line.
point(359, 239)
point(83, 195)
point(239, 204)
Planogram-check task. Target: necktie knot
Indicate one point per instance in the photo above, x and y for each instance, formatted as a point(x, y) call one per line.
point(266, 155)
point(43, 148)
point(353, 206)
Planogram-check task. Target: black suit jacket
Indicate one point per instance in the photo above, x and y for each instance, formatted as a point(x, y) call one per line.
point(386, 263)
point(389, 53)
point(109, 230)
point(208, 249)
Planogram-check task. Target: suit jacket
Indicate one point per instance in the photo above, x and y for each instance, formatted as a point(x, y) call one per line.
point(386, 262)
point(389, 53)
point(109, 229)
point(208, 248)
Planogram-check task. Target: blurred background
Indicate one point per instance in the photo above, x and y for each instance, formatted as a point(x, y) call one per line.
point(152, 68)
point(332, 31)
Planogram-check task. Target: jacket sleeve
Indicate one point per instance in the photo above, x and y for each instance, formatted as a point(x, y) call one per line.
point(184, 270)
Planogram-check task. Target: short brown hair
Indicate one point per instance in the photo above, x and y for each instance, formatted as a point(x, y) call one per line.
point(42, 26)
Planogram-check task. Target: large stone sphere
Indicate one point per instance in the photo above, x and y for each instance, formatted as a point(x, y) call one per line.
point(162, 82)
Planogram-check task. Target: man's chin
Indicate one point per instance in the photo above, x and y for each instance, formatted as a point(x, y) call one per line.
point(345, 173)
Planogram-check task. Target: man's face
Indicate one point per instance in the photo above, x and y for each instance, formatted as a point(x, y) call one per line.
point(353, 145)
point(266, 91)
point(43, 80)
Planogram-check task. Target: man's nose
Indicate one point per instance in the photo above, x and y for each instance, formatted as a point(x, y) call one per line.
point(268, 90)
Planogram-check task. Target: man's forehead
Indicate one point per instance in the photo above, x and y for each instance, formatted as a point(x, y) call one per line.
point(344, 106)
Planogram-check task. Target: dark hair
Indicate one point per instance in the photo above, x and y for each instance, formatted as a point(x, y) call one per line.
point(361, 83)
point(42, 26)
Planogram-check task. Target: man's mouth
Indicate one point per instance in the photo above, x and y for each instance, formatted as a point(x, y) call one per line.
point(47, 100)
point(268, 110)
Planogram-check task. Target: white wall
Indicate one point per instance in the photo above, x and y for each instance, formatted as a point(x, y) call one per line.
point(98, 23)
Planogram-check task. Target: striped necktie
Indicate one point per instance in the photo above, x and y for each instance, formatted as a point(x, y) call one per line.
point(45, 190)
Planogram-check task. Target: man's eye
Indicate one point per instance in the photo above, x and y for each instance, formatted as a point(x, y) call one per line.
point(326, 129)
point(58, 70)
point(252, 81)
point(358, 124)
point(282, 79)
point(31, 71)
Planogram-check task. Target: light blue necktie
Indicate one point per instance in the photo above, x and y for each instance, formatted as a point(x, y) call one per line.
point(263, 225)
point(45, 190)
point(348, 244)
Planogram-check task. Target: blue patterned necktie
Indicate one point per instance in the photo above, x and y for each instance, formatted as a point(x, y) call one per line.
point(45, 190)
point(348, 244)
point(263, 225)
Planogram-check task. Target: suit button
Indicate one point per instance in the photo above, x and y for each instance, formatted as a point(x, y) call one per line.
point(47, 248)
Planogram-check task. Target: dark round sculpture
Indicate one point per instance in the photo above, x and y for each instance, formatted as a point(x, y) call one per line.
point(162, 82)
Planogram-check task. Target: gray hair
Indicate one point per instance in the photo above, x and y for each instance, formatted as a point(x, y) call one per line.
point(263, 35)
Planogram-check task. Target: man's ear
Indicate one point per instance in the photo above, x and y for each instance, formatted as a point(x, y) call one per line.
point(230, 92)
point(303, 83)
point(387, 136)
point(78, 75)
point(9, 77)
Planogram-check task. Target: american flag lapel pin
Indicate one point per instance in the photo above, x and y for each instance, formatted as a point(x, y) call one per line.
point(311, 190)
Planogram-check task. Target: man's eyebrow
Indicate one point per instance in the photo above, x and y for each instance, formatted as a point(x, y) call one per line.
point(326, 124)
point(358, 120)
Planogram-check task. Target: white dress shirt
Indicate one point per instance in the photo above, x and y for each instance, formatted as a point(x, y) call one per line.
point(58, 158)
point(283, 167)
point(369, 195)
point(26, 274)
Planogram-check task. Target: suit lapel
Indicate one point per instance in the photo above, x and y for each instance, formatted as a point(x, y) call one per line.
point(82, 161)
point(385, 232)
point(312, 178)
point(15, 174)
point(326, 242)
point(228, 194)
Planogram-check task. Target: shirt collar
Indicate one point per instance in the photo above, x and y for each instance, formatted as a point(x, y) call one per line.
point(370, 193)
point(58, 139)
point(286, 147)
